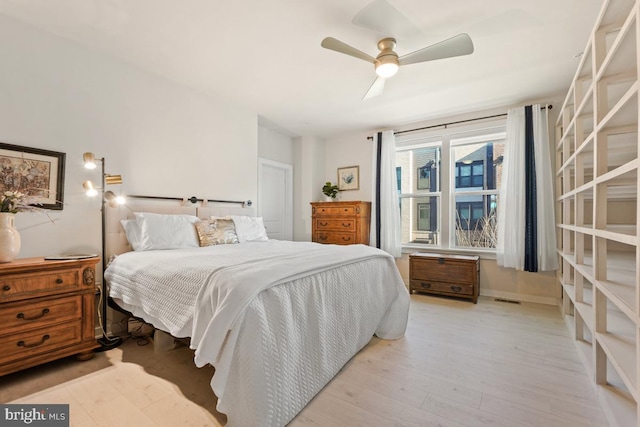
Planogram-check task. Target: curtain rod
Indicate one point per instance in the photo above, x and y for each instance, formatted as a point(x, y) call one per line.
point(370, 138)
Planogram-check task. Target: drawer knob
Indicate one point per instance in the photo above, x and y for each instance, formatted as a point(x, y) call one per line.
point(324, 224)
point(322, 237)
point(25, 345)
point(346, 224)
point(6, 288)
point(59, 281)
point(425, 285)
point(456, 288)
point(37, 316)
point(346, 239)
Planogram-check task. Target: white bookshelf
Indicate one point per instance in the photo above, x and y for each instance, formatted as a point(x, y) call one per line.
point(597, 209)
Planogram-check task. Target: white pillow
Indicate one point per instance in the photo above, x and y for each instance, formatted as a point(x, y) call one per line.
point(132, 231)
point(158, 231)
point(248, 228)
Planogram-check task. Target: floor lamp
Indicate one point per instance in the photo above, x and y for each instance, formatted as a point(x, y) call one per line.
point(107, 197)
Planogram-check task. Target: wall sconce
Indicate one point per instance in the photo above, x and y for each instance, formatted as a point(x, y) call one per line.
point(113, 200)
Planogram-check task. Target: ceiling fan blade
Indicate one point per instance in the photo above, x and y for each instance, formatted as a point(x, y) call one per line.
point(455, 46)
point(382, 17)
point(338, 46)
point(376, 88)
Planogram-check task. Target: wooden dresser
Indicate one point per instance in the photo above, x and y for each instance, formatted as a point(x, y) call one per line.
point(452, 275)
point(342, 223)
point(47, 311)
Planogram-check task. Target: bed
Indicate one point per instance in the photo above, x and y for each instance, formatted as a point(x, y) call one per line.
point(276, 319)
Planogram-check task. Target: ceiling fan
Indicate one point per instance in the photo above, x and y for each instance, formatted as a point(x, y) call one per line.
point(387, 62)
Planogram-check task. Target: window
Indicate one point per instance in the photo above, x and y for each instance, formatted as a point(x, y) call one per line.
point(469, 173)
point(448, 187)
point(424, 217)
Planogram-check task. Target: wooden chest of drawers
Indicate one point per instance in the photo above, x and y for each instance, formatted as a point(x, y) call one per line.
point(47, 311)
point(341, 223)
point(452, 275)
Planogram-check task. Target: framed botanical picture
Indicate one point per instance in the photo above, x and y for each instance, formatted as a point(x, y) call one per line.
point(35, 172)
point(349, 178)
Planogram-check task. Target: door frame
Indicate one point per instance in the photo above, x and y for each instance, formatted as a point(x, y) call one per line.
point(288, 200)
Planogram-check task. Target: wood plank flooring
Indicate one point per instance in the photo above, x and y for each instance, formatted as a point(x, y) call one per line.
point(460, 364)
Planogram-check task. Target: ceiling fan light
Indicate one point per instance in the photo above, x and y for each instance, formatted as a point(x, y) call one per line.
point(386, 70)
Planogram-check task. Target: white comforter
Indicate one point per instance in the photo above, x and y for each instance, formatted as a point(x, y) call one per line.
point(277, 319)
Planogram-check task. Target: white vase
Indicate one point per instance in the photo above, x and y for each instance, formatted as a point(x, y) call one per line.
point(9, 237)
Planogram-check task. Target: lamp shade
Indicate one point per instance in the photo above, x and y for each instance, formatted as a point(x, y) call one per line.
point(112, 179)
point(89, 160)
point(113, 200)
point(91, 190)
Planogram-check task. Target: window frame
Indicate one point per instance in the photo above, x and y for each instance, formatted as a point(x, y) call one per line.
point(449, 138)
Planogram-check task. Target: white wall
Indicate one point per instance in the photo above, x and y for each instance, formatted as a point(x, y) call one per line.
point(350, 150)
point(308, 177)
point(274, 144)
point(163, 138)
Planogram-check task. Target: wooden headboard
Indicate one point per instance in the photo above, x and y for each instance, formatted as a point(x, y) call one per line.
point(115, 238)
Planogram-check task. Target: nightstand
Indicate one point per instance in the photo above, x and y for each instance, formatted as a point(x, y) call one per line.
point(47, 311)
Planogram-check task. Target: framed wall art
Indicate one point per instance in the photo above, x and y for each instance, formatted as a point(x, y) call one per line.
point(33, 171)
point(349, 178)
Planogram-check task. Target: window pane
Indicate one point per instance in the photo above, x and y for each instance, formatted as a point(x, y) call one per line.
point(419, 170)
point(478, 212)
point(419, 220)
point(477, 181)
point(476, 221)
point(481, 162)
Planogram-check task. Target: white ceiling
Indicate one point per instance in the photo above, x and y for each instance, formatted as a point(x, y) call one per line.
point(266, 54)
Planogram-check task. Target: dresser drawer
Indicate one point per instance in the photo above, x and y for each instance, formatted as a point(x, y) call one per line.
point(335, 238)
point(26, 344)
point(335, 210)
point(441, 287)
point(15, 287)
point(32, 315)
point(336, 224)
point(444, 270)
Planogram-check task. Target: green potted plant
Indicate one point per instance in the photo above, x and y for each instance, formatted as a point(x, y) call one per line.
point(330, 191)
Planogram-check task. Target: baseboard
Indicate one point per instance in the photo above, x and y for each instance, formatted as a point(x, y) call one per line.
point(518, 297)
point(512, 296)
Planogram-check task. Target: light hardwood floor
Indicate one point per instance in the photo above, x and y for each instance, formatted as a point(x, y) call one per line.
point(460, 364)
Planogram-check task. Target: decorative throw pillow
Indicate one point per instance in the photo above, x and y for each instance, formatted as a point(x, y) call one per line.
point(216, 232)
point(158, 231)
point(249, 228)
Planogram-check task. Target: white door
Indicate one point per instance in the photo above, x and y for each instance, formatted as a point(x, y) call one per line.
point(275, 198)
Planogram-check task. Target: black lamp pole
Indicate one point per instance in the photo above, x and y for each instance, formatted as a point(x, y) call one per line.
point(106, 342)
